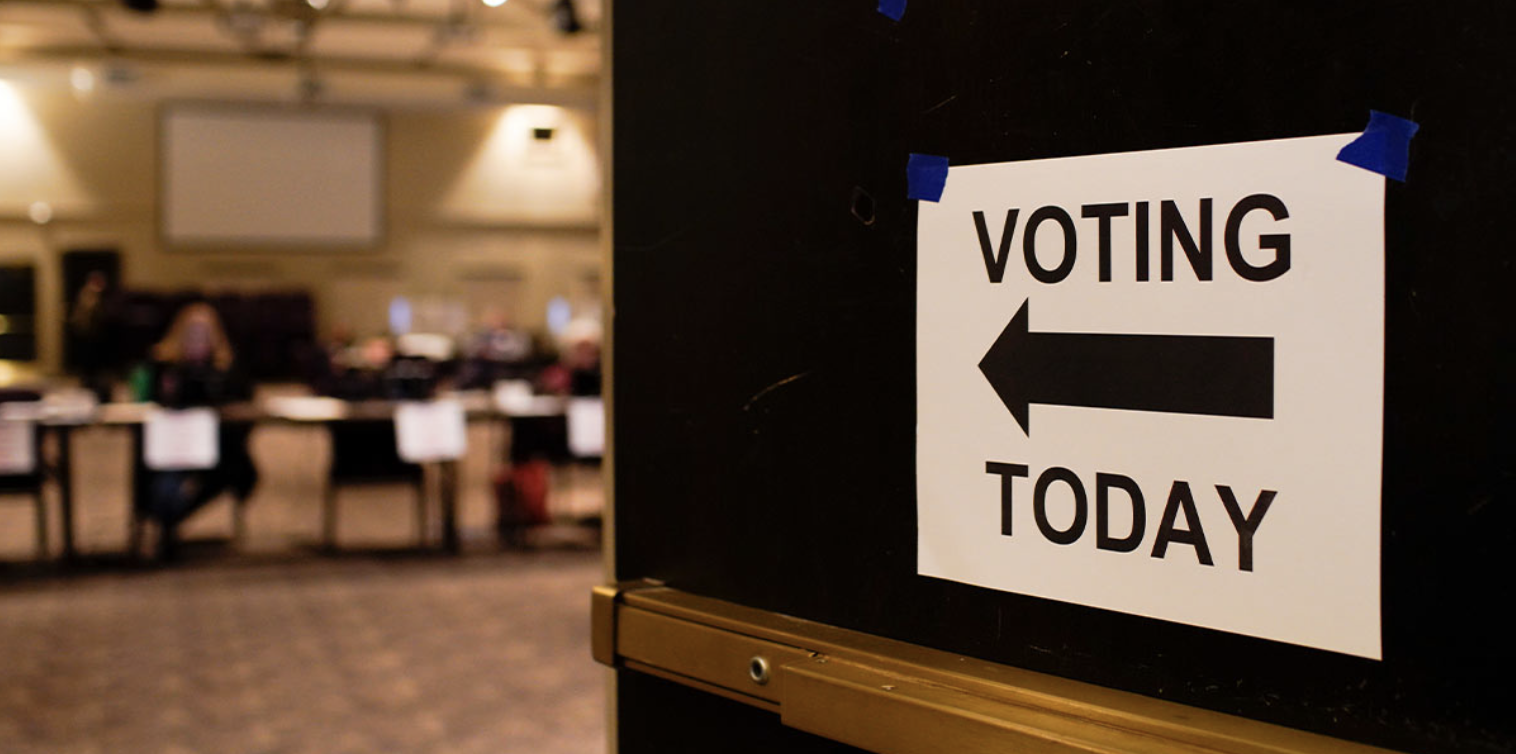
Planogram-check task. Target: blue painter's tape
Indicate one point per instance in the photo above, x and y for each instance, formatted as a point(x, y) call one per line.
point(925, 175)
point(1384, 147)
point(892, 8)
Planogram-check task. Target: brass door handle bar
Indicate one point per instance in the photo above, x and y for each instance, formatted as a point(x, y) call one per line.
point(896, 698)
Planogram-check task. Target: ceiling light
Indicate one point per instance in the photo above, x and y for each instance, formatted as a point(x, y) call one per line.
point(565, 17)
point(117, 73)
point(82, 79)
point(317, 4)
point(494, 3)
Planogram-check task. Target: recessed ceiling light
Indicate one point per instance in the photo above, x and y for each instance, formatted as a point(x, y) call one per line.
point(494, 3)
point(82, 79)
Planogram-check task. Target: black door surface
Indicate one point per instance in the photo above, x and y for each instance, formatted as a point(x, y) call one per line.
point(764, 335)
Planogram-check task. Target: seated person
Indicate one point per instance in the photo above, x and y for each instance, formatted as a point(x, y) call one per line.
point(577, 372)
point(538, 441)
point(497, 351)
point(193, 366)
point(372, 371)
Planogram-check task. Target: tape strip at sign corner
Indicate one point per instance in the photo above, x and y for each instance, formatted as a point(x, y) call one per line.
point(925, 177)
point(1384, 146)
point(894, 9)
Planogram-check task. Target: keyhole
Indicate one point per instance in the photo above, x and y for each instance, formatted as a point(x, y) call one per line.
point(758, 670)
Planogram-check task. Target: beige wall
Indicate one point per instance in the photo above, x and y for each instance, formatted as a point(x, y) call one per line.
point(477, 211)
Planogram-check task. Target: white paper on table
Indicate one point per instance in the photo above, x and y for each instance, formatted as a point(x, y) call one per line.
point(431, 431)
point(18, 454)
point(513, 396)
point(305, 407)
point(181, 440)
point(586, 427)
point(21, 410)
point(69, 406)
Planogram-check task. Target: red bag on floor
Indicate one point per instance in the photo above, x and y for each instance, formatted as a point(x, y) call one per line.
point(521, 494)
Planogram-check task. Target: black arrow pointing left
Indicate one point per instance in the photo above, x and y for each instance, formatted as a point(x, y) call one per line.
point(1181, 374)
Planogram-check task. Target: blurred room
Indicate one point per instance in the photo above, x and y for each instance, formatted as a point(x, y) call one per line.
point(300, 415)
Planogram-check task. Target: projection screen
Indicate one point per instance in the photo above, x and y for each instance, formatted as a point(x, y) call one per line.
point(240, 177)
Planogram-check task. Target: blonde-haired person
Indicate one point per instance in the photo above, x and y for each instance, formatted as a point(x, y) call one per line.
point(195, 337)
point(194, 365)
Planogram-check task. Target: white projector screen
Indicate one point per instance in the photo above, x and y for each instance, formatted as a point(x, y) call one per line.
point(246, 177)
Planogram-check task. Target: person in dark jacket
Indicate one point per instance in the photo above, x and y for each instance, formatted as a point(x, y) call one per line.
point(90, 324)
point(194, 366)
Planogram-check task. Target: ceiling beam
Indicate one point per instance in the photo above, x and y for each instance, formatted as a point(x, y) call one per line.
point(185, 57)
point(334, 12)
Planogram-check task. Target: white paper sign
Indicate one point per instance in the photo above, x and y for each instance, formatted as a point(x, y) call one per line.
point(18, 454)
point(431, 431)
point(183, 440)
point(1200, 330)
point(586, 427)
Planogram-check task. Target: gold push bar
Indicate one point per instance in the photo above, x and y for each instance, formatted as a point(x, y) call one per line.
point(895, 698)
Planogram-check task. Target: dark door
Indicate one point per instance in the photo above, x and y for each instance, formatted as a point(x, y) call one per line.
point(18, 312)
point(79, 265)
point(765, 337)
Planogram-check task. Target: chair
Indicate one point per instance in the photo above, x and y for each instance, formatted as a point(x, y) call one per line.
point(29, 483)
point(364, 452)
point(230, 435)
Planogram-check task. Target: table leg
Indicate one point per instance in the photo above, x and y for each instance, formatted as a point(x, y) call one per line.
point(66, 489)
point(447, 490)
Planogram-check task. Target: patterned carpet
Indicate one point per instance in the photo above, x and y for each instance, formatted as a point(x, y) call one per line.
point(347, 656)
point(270, 648)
